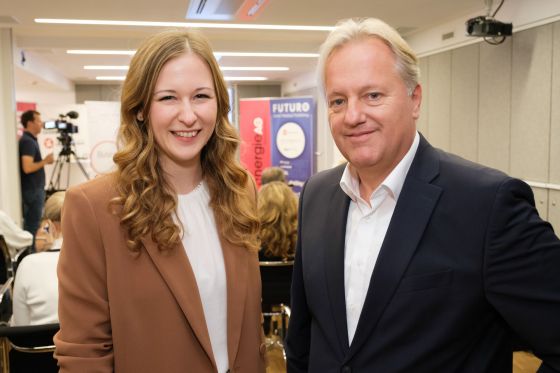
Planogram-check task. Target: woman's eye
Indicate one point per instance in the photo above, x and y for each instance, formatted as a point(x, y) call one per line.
point(165, 98)
point(201, 96)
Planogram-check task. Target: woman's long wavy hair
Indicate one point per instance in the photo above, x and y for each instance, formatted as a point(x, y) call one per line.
point(278, 217)
point(146, 202)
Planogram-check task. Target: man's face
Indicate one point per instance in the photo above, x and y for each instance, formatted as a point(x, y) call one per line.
point(372, 117)
point(36, 125)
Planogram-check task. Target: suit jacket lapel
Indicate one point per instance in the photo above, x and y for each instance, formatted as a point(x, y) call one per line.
point(236, 262)
point(334, 243)
point(177, 273)
point(412, 213)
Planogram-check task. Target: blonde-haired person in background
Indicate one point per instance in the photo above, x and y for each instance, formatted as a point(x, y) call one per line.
point(36, 285)
point(278, 217)
point(271, 174)
point(159, 270)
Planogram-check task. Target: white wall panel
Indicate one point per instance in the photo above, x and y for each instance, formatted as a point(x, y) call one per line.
point(464, 102)
point(554, 170)
point(439, 104)
point(531, 86)
point(422, 122)
point(494, 105)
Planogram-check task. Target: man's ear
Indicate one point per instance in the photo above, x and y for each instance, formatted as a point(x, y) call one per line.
point(416, 97)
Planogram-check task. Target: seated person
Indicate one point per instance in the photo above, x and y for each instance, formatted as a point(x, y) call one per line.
point(15, 237)
point(271, 174)
point(36, 283)
point(278, 221)
point(44, 238)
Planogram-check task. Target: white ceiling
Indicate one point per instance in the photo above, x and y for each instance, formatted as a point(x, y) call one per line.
point(48, 43)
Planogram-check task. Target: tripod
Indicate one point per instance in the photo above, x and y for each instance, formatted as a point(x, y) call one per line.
point(64, 156)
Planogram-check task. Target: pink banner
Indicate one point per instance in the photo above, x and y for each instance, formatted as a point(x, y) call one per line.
point(254, 129)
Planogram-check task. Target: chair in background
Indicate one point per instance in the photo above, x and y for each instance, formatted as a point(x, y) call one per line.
point(276, 278)
point(6, 280)
point(6, 265)
point(28, 348)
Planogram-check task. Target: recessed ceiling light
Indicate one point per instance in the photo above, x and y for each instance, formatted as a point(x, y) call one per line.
point(246, 78)
point(109, 78)
point(243, 26)
point(223, 68)
point(217, 54)
point(105, 67)
point(95, 51)
point(267, 54)
point(253, 68)
point(227, 78)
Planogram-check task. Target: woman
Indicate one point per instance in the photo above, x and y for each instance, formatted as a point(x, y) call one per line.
point(36, 285)
point(278, 217)
point(159, 271)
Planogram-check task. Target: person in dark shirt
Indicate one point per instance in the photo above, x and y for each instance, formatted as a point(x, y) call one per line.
point(32, 171)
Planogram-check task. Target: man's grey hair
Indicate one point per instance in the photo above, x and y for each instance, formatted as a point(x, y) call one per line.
point(358, 29)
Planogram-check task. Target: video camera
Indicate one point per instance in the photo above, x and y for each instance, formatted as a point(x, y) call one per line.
point(62, 125)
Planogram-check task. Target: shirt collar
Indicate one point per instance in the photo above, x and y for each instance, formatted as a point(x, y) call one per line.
point(30, 134)
point(350, 183)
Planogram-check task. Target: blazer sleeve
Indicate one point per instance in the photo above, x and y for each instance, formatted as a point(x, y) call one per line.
point(299, 330)
point(84, 342)
point(522, 263)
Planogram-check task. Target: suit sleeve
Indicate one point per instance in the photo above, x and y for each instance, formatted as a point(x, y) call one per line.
point(522, 267)
point(299, 329)
point(84, 342)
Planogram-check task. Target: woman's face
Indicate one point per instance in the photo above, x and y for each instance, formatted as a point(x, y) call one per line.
point(183, 112)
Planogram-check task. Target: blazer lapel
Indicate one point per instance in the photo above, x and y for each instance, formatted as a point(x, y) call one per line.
point(176, 271)
point(334, 242)
point(412, 213)
point(236, 263)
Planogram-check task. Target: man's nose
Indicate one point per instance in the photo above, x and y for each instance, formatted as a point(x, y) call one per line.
point(354, 114)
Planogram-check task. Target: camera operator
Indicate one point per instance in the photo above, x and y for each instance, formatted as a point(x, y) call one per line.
point(32, 171)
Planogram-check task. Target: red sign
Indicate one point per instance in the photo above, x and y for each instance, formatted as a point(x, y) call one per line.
point(254, 129)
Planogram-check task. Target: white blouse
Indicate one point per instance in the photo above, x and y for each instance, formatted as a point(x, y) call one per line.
point(36, 288)
point(202, 244)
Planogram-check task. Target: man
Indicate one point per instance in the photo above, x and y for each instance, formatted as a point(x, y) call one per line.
point(32, 171)
point(410, 259)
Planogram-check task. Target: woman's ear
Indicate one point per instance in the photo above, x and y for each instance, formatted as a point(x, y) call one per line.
point(140, 116)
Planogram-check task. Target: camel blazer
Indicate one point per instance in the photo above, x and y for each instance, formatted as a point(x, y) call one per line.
point(141, 312)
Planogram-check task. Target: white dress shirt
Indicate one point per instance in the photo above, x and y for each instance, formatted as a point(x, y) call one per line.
point(365, 231)
point(202, 244)
point(36, 288)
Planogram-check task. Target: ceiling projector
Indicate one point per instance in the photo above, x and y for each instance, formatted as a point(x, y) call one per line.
point(485, 26)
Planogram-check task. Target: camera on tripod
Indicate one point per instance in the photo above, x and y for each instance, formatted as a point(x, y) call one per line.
point(64, 128)
point(61, 124)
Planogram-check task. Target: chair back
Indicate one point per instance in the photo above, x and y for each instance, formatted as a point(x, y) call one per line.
point(276, 278)
point(29, 348)
point(5, 261)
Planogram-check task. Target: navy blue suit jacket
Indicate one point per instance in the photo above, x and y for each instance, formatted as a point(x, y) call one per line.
point(466, 263)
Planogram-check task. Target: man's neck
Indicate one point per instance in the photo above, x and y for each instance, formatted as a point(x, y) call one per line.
point(31, 133)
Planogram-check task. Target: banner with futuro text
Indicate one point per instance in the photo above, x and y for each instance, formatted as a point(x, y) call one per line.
point(278, 132)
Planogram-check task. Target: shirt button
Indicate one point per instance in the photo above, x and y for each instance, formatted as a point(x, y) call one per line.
point(346, 369)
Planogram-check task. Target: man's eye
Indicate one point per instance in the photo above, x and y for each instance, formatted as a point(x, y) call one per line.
point(374, 95)
point(336, 102)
